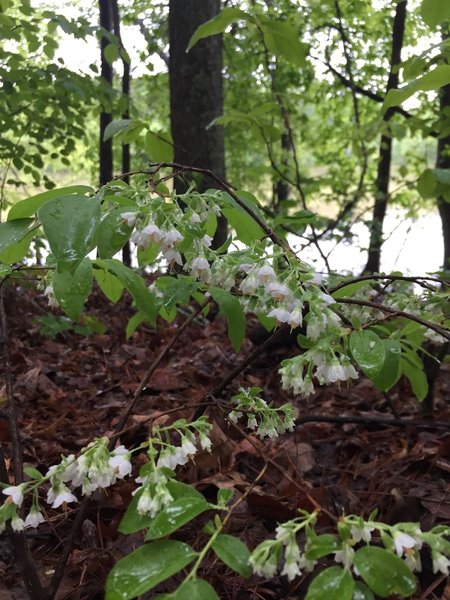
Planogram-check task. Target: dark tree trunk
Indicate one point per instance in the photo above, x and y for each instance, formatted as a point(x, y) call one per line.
point(443, 162)
point(196, 95)
point(385, 154)
point(126, 157)
point(106, 73)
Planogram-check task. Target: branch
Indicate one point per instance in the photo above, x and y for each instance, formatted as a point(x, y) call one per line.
point(397, 313)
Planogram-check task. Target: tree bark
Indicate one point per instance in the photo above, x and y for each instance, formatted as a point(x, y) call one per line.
point(443, 162)
point(385, 153)
point(106, 74)
point(196, 96)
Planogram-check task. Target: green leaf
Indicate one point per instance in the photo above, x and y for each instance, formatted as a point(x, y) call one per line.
point(72, 289)
point(322, 545)
point(70, 223)
point(391, 371)
point(435, 12)
point(132, 521)
point(147, 566)
point(232, 309)
point(159, 146)
point(13, 232)
point(224, 495)
point(32, 473)
point(282, 39)
point(27, 208)
point(111, 53)
point(17, 251)
point(144, 299)
point(233, 553)
point(368, 351)
point(417, 378)
point(195, 589)
point(110, 285)
point(426, 185)
point(350, 290)
point(384, 572)
point(116, 127)
point(432, 80)
point(147, 256)
point(216, 25)
point(247, 230)
point(112, 234)
point(331, 584)
point(134, 323)
point(362, 592)
point(175, 516)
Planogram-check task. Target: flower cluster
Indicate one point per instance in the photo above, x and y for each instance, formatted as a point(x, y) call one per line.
point(167, 240)
point(266, 420)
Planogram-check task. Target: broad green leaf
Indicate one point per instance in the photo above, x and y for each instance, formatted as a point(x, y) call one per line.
point(331, 584)
point(112, 234)
point(426, 185)
point(32, 473)
point(116, 127)
point(195, 589)
point(147, 566)
point(216, 25)
point(384, 572)
point(433, 80)
point(282, 39)
point(435, 12)
point(12, 232)
point(27, 207)
point(159, 146)
point(362, 592)
point(110, 285)
point(322, 545)
point(144, 299)
point(175, 516)
point(17, 251)
point(72, 289)
point(349, 290)
point(147, 256)
point(134, 323)
point(417, 379)
point(70, 223)
point(233, 553)
point(391, 371)
point(369, 352)
point(247, 230)
point(232, 309)
point(132, 521)
point(111, 53)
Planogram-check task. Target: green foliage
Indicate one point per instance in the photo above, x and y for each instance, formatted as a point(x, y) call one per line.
point(385, 573)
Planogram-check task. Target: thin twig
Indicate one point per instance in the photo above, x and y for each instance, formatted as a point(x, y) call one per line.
point(384, 421)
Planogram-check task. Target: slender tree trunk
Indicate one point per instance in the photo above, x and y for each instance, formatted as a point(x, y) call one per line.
point(106, 73)
point(196, 95)
point(443, 162)
point(282, 185)
point(126, 78)
point(385, 154)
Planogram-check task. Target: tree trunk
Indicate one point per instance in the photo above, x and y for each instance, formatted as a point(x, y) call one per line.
point(126, 156)
point(443, 162)
point(385, 154)
point(196, 95)
point(106, 73)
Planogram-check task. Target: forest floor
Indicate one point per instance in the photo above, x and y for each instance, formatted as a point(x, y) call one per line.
point(74, 387)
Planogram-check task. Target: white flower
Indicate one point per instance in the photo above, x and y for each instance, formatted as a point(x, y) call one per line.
point(129, 218)
point(345, 556)
point(266, 274)
point(120, 462)
point(280, 314)
point(205, 442)
point(267, 568)
point(440, 563)
point(59, 494)
point(170, 238)
point(15, 492)
point(249, 285)
point(52, 301)
point(207, 240)
point(328, 299)
point(315, 325)
point(194, 218)
point(278, 291)
point(200, 269)
point(412, 560)
point(330, 373)
point(292, 561)
point(361, 533)
point(403, 540)
point(349, 370)
point(34, 518)
point(17, 523)
point(172, 255)
point(172, 457)
point(188, 447)
point(296, 316)
point(150, 233)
